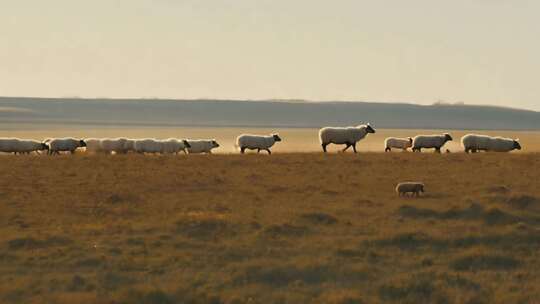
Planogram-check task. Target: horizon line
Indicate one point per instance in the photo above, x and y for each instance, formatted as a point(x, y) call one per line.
point(439, 103)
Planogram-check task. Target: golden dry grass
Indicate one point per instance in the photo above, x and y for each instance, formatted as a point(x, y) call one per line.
point(286, 228)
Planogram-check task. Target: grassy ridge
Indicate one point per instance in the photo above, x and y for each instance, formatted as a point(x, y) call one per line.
point(286, 228)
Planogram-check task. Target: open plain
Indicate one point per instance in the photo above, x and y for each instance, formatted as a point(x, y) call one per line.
point(285, 228)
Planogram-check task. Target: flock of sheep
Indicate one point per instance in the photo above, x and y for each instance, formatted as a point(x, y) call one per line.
point(348, 136)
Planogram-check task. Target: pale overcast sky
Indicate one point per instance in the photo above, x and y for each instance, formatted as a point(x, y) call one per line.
point(473, 51)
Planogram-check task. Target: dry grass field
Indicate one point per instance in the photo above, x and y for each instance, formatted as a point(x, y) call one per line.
point(285, 228)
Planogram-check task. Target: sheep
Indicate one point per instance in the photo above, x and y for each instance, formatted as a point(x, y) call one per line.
point(395, 142)
point(93, 145)
point(474, 142)
point(57, 145)
point(129, 145)
point(26, 146)
point(147, 145)
point(174, 145)
point(29, 145)
point(430, 141)
point(344, 136)
point(116, 145)
point(409, 187)
point(259, 142)
point(202, 145)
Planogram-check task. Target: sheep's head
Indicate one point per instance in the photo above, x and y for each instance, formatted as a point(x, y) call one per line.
point(44, 146)
point(369, 129)
point(276, 137)
point(447, 137)
point(214, 143)
point(82, 143)
point(517, 145)
point(186, 143)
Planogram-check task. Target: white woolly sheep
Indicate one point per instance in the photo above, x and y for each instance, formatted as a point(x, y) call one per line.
point(399, 143)
point(202, 145)
point(174, 145)
point(57, 145)
point(147, 145)
point(29, 145)
point(409, 187)
point(23, 146)
point(475, 142)
point(116, 145)
point(348, 136)
point(430, 141)
point(258, 142)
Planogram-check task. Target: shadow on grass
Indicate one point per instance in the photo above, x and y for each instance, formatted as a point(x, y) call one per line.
point(477, 262)
point(415, 241)
point(204, 227)
point(319, 218)
point(491, 216)
point(417, 290)
point(281, 275)
point(284, 230)
point(29, 243)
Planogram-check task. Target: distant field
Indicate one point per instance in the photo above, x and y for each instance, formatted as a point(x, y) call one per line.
point(294, 139)
point(286, 228)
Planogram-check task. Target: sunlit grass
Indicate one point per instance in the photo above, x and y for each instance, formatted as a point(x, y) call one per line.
point(285, 228)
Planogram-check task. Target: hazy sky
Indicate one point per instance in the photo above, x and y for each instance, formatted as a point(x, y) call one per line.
point(474, 51)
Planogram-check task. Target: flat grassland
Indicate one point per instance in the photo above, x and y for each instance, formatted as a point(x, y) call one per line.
point(285, 228)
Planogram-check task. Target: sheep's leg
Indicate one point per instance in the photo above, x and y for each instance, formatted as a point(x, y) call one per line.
point(268, 150)
point(324, 147)
point(242, 150)
point(438, 150)
point(258, 151)
point(347, 147)
point(354, 147)
point(387, 149)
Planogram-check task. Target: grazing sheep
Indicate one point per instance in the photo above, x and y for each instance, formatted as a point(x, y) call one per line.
point(23, 146)
point(474, 142)
point(174, 145)
point(399, 143)
point(147, 145)
point(259, 142)
point(410, 187)
point(348, 136)
point(57, 145)
point(202, 145)
point(430, 141)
